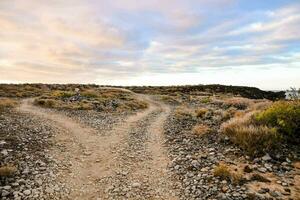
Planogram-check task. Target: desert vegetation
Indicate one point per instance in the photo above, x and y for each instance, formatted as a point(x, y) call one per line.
point(220, 145)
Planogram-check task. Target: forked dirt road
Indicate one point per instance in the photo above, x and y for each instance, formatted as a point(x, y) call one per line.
point(127, 162)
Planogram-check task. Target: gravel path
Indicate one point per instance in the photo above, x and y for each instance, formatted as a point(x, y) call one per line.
point(127, 161)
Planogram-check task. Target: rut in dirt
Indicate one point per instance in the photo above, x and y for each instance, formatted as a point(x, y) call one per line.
point(95, 161)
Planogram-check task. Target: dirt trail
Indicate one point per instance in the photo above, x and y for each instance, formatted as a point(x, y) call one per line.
point(91, 158)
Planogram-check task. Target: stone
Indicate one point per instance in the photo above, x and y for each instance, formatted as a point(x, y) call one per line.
point(27, 192)
point(4, 152)
point(263, 190)
point(7, 187)
point(262, 169)
point(136, 185)
point(266, 157)
point(4, 193)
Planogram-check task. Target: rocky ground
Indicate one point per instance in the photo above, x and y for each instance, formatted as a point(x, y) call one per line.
point(150, 154)
point(195, 157)
point(25, 143)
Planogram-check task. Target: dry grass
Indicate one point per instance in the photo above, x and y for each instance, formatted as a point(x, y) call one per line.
point(201, 129)
point(7, 103)
point(238, 102)
point(201, 112)
point(253, 138)
point(8, 170)
point(168, 99)
point(226, 173)
point(183, 112)
point(108, 100)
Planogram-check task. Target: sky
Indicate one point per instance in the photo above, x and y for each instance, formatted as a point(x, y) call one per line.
point(153, 42)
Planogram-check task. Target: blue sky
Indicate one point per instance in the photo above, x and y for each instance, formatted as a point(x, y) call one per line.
point(154, 42)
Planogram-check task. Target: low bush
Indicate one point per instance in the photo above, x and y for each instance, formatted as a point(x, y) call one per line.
point(183, 112)
point(47, 103)
point(200, 112)
point(237, 102)
point(254, 138)
point(285, 116)
point(205, 100)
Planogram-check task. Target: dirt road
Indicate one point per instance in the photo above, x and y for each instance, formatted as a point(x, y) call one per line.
point(127, 162)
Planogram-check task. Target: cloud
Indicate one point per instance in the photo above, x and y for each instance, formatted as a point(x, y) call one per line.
point(102, 41)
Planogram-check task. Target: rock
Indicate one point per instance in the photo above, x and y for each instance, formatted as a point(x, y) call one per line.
point(262, 169)
point(266, 157)
point(274, 193)
point(7, 187)
point(263, 190)
point(27, 192)
point(136, 185)
point(5, 193)
point(49, 190)
point(4, 152)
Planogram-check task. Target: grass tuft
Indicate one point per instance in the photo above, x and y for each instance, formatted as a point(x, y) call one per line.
point(253, 138)
point(6, 171)
point(224, 172)
point(201, 129)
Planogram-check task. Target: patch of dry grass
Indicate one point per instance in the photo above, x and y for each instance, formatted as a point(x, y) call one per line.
point(8, 170)
point(201, 112)
point(238, 102)
point(6, 103)
point(183, 112)
point(253, 138)
point(226, 173)
point(201, 129)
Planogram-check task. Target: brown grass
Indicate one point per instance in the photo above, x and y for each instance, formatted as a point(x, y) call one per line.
point(226, 173)
point(238, 102)
point(201, 129)
point(200, 112)
point(183, 112)
point(8, 170)
point(7, 103)
point(253, 138)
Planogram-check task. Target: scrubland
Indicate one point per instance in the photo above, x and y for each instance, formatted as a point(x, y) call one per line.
point(218, 142)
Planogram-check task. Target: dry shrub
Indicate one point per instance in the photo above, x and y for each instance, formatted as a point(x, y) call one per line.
point(90, 94)
point(183, 112)
point(200, 112)
point(7, 103)
point(238, 102)
point(201, 129)
point(253, 138)
point(260, 105)
point(47, 103)
point(224, 172)
point(169, 99)
point(8, 170)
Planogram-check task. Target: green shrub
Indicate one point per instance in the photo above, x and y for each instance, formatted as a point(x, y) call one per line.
point(284, 115)
point(206, 100)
